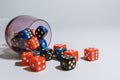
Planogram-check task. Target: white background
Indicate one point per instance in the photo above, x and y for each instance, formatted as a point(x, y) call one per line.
point(79, 24)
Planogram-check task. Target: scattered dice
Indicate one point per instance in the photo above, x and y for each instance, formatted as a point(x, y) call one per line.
point(91, 54)
point(73, 53)
point(26, 57)
point(47, 53)
point(67, 62)
point(59, 52)
point(37, 63)
point(30, 39)
point(59, 46)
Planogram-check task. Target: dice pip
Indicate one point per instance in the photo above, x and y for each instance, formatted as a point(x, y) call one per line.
point(91, 54)
point(37, 63)
point(73, 53)
point(26, 57)
point(40, 32)
point(59, 52)
point(33, 43)
point(47, 53)
point(25, 34)
point(67, 62)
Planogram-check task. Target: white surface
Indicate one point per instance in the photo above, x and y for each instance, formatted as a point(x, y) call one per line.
point(79, 24)
point(107, 67)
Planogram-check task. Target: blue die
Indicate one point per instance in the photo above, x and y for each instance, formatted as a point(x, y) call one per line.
point(43, 43)
point(59, 53)
point(25, 34)
point(41, 31)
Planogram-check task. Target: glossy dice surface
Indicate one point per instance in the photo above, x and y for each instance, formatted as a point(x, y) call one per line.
point(47, 53)
point(59, 53)
point(33, 43)
point(68, 62)
point(37, 63)
point(59, 46)
point(73, 53)
point(25, 34)
point(26, 57)
point(43, 43)
point(91, 54)
point(40, 32)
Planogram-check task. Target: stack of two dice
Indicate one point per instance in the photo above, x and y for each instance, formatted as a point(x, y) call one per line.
point(67, 58)
point(28, 39)
point(36, 63)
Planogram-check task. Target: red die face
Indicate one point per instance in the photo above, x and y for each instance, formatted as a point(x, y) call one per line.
point(59, 46)
point(91, 54)
point(73, 53)
point(33, 43)
point(26, 57)
point(37, 63)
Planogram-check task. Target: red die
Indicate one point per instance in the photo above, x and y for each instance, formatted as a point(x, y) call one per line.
point(26, 57)
point(59, 46)
point(33, 43)
point(73, 53)
point(91, 54)
point(33, 31)
point(37, 63)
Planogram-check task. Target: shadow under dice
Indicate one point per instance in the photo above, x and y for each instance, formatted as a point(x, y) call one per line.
point(68, 62)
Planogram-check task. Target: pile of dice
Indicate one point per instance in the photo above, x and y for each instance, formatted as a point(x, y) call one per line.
point(29, 41)
point(67, 58)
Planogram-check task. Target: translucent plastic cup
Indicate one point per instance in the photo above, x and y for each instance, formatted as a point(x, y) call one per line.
point(24, 21)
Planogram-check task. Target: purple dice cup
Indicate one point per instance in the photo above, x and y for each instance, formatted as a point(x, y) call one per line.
point(24, 21)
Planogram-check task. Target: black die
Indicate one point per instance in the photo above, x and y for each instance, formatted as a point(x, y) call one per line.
point(47, 53)
point(40, 32)
point(68, 62)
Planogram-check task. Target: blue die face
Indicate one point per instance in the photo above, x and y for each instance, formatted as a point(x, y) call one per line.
point(40, 32)
point(59, 53)
point(43, 43)
point(25, 34)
